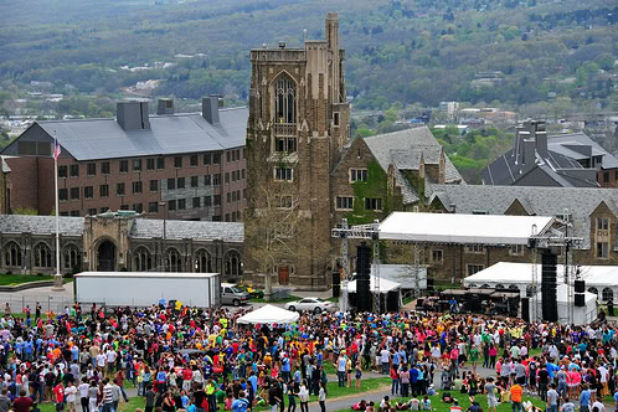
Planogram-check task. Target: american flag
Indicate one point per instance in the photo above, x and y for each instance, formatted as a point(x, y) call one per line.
point(56, 149)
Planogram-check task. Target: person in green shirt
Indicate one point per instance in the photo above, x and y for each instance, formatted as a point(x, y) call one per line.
point(473, 355)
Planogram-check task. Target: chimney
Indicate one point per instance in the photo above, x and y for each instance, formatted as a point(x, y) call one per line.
point(132, 115)
point(165, 106)
point(332, 31)
point(210, 109)
point(529, 155)
point(541, 143)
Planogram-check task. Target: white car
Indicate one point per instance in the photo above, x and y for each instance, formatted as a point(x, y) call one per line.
point(315, 305)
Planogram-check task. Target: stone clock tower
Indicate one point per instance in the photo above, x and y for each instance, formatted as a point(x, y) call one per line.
point(298, 124)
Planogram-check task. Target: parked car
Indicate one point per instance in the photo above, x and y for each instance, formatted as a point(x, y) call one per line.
point(315, 305)
point(231, 295)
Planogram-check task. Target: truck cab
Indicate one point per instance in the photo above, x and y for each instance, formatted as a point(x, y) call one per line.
point(232, 295)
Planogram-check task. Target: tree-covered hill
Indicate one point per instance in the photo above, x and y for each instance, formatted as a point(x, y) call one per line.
point(421, 51)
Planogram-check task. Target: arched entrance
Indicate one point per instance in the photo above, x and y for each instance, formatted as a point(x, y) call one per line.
point(107, 257)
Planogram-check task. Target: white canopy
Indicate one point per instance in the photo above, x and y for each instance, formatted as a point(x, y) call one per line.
point(382, 285)
point(269, 314)
point(461, 228)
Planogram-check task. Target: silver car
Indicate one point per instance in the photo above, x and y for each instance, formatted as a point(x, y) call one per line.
point(315, 305)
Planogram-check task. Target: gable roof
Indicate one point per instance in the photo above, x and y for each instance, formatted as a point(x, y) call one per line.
point(567, 145)
point(542, 201)
point(405, 147)
point(91, 139)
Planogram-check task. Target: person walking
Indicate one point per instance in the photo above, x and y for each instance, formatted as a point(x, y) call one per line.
point(552, 399)
point(516, 397)
point(322, 397)
point(303, 397)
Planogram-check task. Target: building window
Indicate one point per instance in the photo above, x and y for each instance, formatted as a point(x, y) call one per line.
point(228, 156)
point(124, 207)
point(62, 194)
point(138, 207)
point(472, 269)
point(193, 160)
point(344, 203)
point(216, 179)
point(105, 168)
point(284, 202)
point(171, 205)
point(437, 256)
point(216, 158)
point(123, 166)
point(229, 197)
point(103, 209)
point(160, 163)
point(91, 169)
point(475, 249)
point(285, 100)
point(194, 181)
point(203, 262)
point(286, 144)
point(62, 171)
point(103, 190)
point(243, 173)
point(358, 175)
point(173, 262)
point(154, 185)
point(207, 201)
point(153, 207)
point(336, 118)
point(284, 174)
point(74, 170)
point(137, 187)
point(232, 264)
point(182, 204)
point(72, 257)
point(606, 177)
point(602, 250)
point(227, 177)
point(88, 192)
point(197, 202)
point(207, 159)
point(150, 164)
point(178, 161)
point(217, 200)
point(206, 180)
point(180, 183)
point(516, 250)
point(171, 183)
point(602, 223)
point(92, 212)
point(12, 255)
point(142, 260)
point(137, 164)
point(74, 193)
point(373, 203)
point(120, 189)
point(216, 218)
point(42, 256)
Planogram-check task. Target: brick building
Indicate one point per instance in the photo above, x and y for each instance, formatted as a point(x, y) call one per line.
point(179, 166)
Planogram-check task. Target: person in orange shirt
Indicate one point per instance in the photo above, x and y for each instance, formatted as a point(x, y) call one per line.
point(516, 397)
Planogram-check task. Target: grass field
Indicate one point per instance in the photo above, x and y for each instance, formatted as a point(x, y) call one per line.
point(463, 400)
point(9, 280)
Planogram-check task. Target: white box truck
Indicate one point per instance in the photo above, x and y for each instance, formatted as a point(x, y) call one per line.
point(148, 288)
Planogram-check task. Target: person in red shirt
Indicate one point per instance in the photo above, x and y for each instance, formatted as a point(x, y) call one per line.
point(59, 396)
point(23, 403)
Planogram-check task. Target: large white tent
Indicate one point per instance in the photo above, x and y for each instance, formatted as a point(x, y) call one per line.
point(269, 314)
point(600, 280)
point(579, 315)
point(462, 229)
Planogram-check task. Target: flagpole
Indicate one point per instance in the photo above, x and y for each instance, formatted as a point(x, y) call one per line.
point(58, 276)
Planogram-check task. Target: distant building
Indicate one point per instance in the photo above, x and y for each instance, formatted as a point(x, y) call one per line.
point(572, 160)
point(179, 166)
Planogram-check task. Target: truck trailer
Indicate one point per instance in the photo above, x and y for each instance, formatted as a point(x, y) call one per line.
point(140, 289)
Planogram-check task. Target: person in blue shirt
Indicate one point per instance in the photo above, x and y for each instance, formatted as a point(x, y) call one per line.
point(240, 404)
point(584, 399)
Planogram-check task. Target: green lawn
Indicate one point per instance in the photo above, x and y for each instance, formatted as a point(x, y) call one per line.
point(9, 280)
point(463, 400)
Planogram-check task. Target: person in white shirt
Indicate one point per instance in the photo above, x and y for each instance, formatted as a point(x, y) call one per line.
point(70, 394)
point(101, 359)
point(83, 395)
point(599, 406)
point(111, 356)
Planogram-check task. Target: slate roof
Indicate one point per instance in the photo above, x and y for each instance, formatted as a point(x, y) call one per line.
point(69, 226)
point(142, 228)
point(560, 144)
point(403, 148)
point(181, 229)
point(91, 139)
point(540, 201)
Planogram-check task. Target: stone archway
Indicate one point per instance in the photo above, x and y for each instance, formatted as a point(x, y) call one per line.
point(106, 256)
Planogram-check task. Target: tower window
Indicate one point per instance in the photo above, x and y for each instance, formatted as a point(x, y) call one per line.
point(284, 173)
point(286, 112)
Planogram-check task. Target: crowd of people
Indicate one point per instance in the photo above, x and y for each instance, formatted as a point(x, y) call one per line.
point(181, 358)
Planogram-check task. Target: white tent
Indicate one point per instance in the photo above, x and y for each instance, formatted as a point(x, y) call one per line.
point(461, 228)
point(376, 284)
point(269, 314)
point(581, 315)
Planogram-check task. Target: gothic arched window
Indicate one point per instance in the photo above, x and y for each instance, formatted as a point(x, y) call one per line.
point(71, 258)
point(142, 260)
point(285, 100)
point(12, 255)
point(232, 264)
point(173, 263)
point(42, 256)
point(203, 263)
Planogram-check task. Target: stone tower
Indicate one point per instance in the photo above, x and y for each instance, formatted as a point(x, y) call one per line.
point(298, 124)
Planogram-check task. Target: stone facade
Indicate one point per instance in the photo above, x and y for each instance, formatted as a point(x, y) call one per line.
point(120, 242)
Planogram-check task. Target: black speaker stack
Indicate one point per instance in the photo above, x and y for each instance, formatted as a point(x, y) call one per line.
point(336, 284)
point(548, 286)
point(525, 309)
point(580, 292)
point(363, 272)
